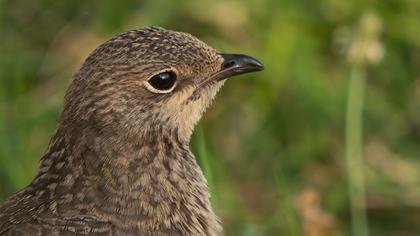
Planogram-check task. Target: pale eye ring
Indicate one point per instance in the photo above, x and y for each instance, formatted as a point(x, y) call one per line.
point(164, 82)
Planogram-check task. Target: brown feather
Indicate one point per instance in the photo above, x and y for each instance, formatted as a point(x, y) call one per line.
point(119, 161)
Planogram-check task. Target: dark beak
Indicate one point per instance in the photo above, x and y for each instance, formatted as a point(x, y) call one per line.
point(236, 64)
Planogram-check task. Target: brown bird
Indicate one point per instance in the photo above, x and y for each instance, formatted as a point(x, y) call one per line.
point(119, 161)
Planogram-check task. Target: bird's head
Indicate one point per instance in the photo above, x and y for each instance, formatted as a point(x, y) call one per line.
point(149, 80)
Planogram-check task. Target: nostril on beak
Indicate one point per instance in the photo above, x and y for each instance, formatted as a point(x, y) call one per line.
point(228, 64)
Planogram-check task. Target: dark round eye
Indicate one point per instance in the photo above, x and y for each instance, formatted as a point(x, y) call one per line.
point(163, 81)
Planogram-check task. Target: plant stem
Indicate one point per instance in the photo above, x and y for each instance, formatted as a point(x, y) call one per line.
point(286, 208)
point(354, 156)
point(203, 159)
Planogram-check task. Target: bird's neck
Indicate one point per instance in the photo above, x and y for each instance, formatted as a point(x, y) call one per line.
point(151, 183)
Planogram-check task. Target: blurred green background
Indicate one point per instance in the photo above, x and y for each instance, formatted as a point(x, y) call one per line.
point(325, 140)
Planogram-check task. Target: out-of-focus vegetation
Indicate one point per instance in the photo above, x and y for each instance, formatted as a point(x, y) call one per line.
point(274, 143)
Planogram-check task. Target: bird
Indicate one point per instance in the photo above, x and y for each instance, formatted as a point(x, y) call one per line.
point(119, 161)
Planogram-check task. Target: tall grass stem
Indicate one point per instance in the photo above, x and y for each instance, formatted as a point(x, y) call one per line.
point(354, 156)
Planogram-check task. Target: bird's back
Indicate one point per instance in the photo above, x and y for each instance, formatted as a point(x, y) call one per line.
point(25, 215)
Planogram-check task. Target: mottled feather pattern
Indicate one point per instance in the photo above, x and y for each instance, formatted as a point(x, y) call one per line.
point(119, 161)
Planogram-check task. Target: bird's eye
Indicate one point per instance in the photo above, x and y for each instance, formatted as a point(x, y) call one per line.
point(162, 83)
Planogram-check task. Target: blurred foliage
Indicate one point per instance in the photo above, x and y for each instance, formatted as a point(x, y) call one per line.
point(273, 144)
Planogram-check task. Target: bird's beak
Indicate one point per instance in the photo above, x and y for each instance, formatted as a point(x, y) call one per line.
point(236, 64)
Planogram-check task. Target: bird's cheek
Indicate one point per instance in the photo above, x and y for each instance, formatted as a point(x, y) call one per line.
point(214, 88)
